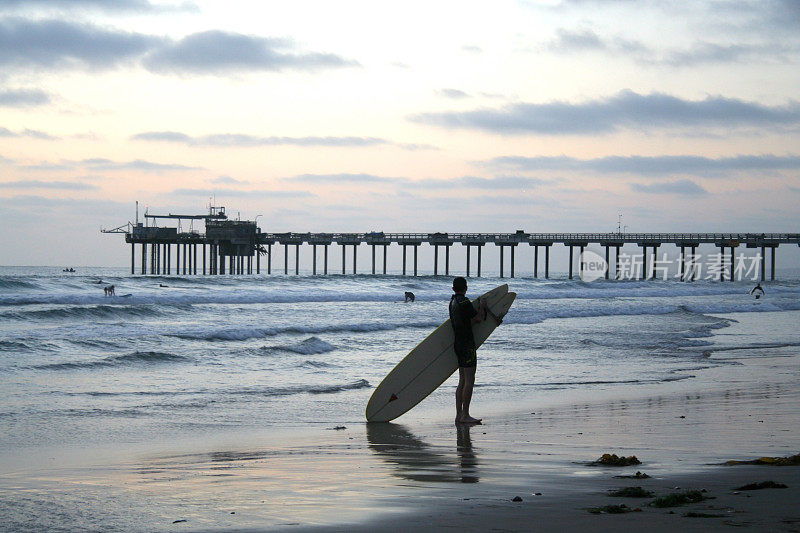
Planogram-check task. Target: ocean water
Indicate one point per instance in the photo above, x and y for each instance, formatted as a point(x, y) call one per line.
point(180, 357)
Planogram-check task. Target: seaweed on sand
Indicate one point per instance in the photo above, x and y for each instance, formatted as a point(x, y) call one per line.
point(637, 475)
point(792, 460)
point(679, 498)
point(612, 459)
point(631, 492)
point(762, 485)
point(614, 509)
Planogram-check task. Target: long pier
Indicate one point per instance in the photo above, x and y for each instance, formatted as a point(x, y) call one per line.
point(238, 243)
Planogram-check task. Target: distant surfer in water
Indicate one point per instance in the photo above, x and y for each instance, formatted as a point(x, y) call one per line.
point(757, 291)
point(462, 316)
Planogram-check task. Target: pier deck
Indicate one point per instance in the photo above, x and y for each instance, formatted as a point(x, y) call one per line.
point(238, 242)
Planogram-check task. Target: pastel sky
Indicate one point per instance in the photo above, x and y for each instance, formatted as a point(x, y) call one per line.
point(419, 116)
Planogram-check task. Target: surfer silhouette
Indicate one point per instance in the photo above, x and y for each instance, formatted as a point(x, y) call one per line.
point(462, 316)
point(755, 291)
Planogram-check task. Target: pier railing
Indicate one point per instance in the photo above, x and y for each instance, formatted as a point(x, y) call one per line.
point(442, 238)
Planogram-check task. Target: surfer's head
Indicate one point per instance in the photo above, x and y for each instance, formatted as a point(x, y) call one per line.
point(459, 284)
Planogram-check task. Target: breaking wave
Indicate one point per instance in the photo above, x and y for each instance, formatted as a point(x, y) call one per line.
point(310, 346)
point(135, 358)
point(244, 333)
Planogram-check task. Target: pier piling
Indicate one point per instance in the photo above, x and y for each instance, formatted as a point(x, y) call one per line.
point(570, 261)
point(502, 249)
point(547, 262)
point(772, 264)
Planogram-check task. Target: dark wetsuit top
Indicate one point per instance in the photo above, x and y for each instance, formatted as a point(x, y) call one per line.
point(461, 313)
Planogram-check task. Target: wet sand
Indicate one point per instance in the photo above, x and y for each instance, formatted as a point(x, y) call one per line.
point(426, 474)
point(433, 475)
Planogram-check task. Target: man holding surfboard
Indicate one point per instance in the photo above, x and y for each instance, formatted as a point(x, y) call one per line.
point(462, 315)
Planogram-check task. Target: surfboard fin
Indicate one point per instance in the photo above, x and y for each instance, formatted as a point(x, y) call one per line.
point(393, 397)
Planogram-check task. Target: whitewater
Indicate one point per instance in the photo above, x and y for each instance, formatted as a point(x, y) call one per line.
point(175, 357)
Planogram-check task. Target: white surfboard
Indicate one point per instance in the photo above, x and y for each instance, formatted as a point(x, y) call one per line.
point(433, 361)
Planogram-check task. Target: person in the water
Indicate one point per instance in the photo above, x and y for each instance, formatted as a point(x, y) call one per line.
point(757, 291)
point(462, 316)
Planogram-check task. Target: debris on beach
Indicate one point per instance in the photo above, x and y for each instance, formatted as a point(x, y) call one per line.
point(637, 475)
point(679, 498)
point(762, 485)
point(792, 460)
point(338, 428)
point(631, 492)
point(692, 514)
point(614, 509)
point(516, 499)
point(179, 521)
point(612, 459)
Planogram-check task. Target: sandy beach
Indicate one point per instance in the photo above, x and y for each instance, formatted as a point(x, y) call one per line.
point(396, 477)
point(425, 474)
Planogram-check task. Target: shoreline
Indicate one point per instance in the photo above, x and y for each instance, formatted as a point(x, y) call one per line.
point(432, 475)
point(424, 473)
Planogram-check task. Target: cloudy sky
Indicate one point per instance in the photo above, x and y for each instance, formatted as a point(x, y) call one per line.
point(420, 116)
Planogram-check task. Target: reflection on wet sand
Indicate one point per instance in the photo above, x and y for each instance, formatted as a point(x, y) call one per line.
point(416, 460)
point(469, 462)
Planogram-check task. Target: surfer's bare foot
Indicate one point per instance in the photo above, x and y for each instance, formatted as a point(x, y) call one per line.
point(470, 420)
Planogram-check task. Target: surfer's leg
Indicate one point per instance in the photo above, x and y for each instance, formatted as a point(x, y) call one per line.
point(460, 394)
point(469, 383)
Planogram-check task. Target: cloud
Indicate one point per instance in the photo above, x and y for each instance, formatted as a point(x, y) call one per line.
point(48, 167)
point(415, 146)
point(473, 182)
point(330, 179)
point(471, 49)
point(682, 187)
point(56, 43)
point(138, 164)
point(699, 53)
point(31, 206)
point(269, 194)
point(702, 53)
point(167, 136)
point(221, 52)
point(650, 165)
point(38, 184)
point(229, 180)
point(455, 94)
point(571, 41)
point(26, 44)
point(463, 182)
point(626, 109)
point(34, 134)
point(246, 140)
point(23, 98)
point(108, 6)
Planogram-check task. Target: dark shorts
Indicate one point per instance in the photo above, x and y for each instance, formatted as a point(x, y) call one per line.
point(467, 357)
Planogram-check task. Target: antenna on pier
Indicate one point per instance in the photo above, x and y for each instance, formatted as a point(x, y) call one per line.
point(619, 224)
point(137, 212)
